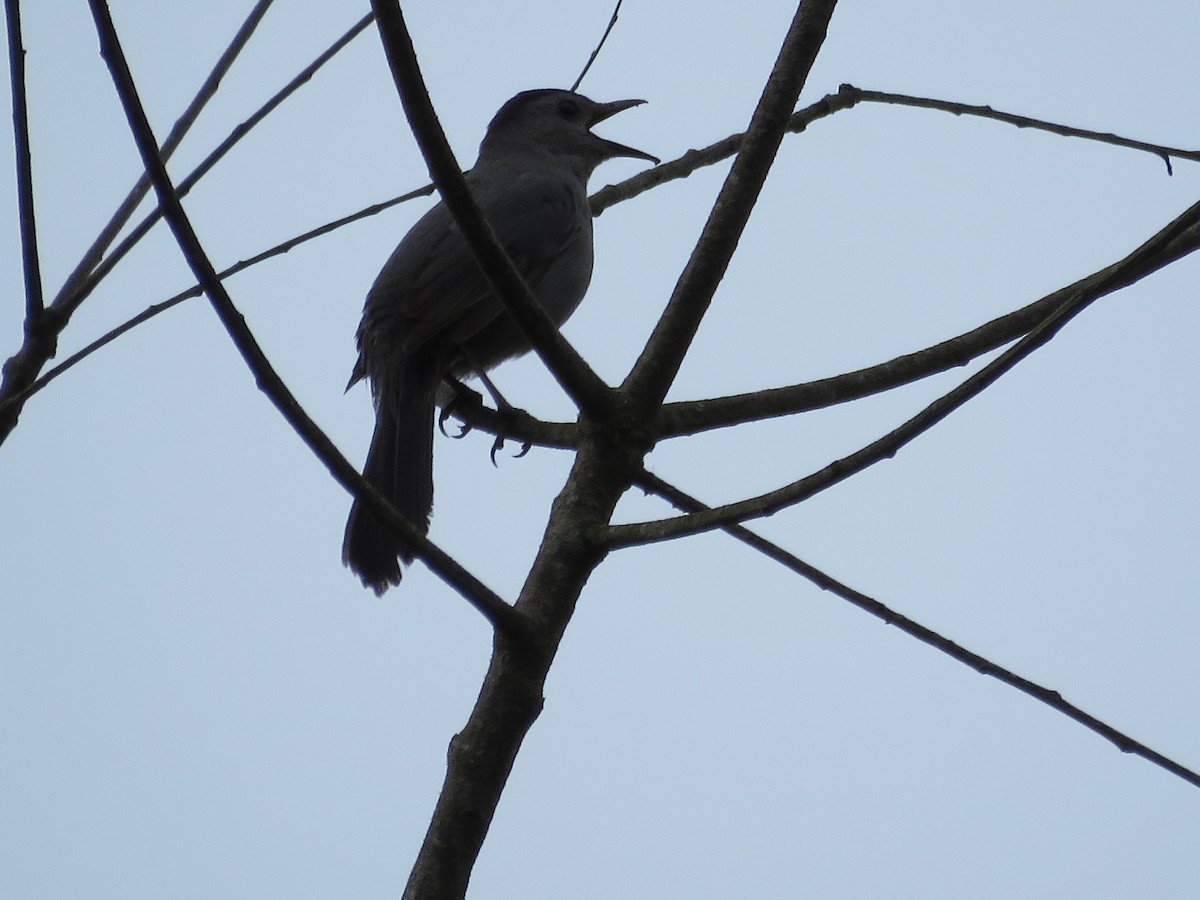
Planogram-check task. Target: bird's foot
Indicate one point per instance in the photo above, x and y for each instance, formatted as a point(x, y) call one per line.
point(462, 397)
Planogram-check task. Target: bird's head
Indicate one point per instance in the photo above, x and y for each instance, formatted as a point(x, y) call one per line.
point(559, 123)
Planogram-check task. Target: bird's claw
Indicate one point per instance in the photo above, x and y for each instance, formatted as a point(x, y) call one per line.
point(464, 428)
point(463, 396)
point(498, 445)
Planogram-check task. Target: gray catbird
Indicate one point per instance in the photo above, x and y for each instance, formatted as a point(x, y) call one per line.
point(431, 313)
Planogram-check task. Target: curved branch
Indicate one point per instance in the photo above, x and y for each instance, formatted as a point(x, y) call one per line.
point(502, 617)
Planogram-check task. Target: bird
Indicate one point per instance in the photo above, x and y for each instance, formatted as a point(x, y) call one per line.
point(431, 315)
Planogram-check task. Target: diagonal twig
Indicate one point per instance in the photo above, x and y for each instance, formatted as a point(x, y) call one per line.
point(926, 635)
point(195, 291)
point(604, 37)
point(182, 126)
point(502, 617)
point(69, 302)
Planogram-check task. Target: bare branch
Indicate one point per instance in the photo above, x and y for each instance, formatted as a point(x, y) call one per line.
point(848, 95)
point(887, 446)
point(20, 114)
point(656, 368)
point(137, 193)
point(695, 416)
point(502, 617)
point(847, 98)
point(40, 345)
point(195, 291)
point(604, 37)
point(69, 302)
point(912, 628)
point(581, 384)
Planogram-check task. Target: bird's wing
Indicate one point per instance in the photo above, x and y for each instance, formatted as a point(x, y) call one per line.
point(537, 219)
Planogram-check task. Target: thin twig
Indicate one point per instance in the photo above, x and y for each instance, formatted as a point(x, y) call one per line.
point(887, 446)
point(195, 291)
point(577, 379)
point(28, 221)
point(888, 616)
point(848, 95)
point(847, 98)
point(604, 37)
point(183, 125)
point(41, 344)
point(70, 302)
point(502, 617)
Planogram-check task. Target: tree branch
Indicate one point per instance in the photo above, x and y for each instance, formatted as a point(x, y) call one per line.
point(503, 618)
point(695, 416)
point(195, 291)
point(21, 370)
point(28, 221)
point(887, 446)
point(70, 301)
point(848, 95)
point(585, 388)
point(983, 665)
point(79, 275)
point(600, 46)
point(655, 370)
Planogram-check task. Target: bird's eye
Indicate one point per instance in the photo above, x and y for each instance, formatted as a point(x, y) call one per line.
point(568, 109)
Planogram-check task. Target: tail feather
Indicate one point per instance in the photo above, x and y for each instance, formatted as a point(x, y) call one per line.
point(400, 466)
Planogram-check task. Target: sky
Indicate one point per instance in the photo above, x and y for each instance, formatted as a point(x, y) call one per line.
point(197, 700)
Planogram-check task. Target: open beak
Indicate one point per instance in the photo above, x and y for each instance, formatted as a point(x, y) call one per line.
point(608, 110)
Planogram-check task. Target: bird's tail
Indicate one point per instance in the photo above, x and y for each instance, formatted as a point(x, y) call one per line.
point(400, 466)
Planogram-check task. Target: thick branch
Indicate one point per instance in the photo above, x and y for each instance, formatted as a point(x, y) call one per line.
point(656, 368)
point(582, 385)
point(502, 617)
point(888, 616)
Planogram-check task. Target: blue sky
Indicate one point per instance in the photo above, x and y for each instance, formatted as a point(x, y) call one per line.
point(198, 700)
